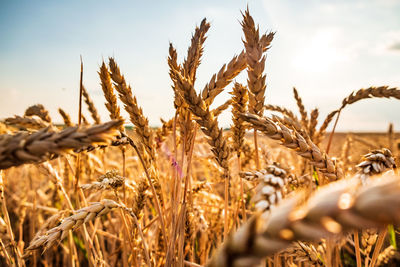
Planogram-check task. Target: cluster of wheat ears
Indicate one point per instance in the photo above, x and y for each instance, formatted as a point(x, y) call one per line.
point(190, 193)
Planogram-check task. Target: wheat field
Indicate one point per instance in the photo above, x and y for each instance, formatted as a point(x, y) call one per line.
point(275, 189)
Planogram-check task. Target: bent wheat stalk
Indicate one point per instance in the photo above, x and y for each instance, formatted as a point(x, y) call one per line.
point(294, 140)
point(334, 209)
point(33, 122)
point(380, 92)
point(40, 111)
point(225, 75)
point(218, 110)
point(45, 144)
point(84, 215)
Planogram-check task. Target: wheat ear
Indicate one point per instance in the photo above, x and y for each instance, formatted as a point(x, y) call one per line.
point(32, 122)
point(282, 110)
point(135, 112)
point(45, 144)
point(255, 62)
point(110, 180)
point(270, 184)
point(302, 109)
point(195, 51)
point(294, 140)
point(84, 215)
point(109, 94)
point(381, 92)
point(66, 117)
point(240, 99)
point(224, 76)
point(334, 209)
point(164, 131)
point(218, 110)
point(322, 130)
point(91, 106)
point(385, 256)
point(312, 125)
point(206, 120)
point(40, 111)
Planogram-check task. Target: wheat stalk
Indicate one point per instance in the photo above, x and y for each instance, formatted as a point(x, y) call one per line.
point(66, 117)
point(224, 76)
point(32, 122)
point(45, 144)
point(282, 110)
point(110, 180)
point(206, 120)
point(294, 140)
point(375, 162)
point(255, 62)
point(322, 130)
point(312, 127)
point(381, 92)
point(164, 131)
point(334, 209)
point(270, 184)
point(40, 111)
point(302, 109)
point(240, 98)
point(385, 256)
point(195, 51)
point(81, 216)
point(135, 112)
point(109, 94)
point(91, 106)
point(218, 110)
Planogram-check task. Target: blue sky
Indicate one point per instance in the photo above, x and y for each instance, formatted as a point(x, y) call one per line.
point(325, 48)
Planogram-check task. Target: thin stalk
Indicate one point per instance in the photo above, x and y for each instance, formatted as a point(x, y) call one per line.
point(226, 193)
point(257, 160)
point(241, 188)
point(78, 158)
point(378, 246)
point(186, 189)
point(153, 190)
point(145, 247)
point(123, 171)
point(8, 222)
point(174, 205)
point(332, 132)
point(357, 247)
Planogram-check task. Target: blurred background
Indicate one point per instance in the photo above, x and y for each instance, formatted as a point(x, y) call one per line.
point(326, 49)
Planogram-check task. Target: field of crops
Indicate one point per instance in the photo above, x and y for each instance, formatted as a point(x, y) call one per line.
point(275, 189)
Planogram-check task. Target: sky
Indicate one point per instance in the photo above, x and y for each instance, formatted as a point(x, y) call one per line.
point(326, 49)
